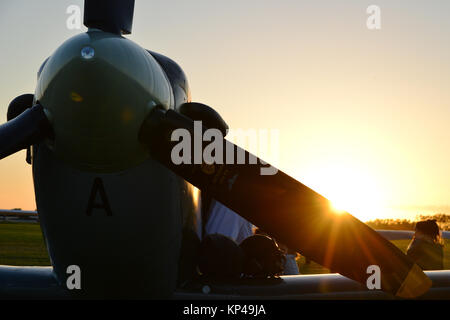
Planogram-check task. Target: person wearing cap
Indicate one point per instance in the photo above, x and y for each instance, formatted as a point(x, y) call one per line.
point(426, 247)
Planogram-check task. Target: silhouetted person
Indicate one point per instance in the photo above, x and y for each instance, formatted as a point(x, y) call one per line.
point(262, 257)
point(290, 266)
point(426, 247)
point(220, 258)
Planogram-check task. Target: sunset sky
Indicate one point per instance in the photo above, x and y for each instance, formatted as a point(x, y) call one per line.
point(363, 115)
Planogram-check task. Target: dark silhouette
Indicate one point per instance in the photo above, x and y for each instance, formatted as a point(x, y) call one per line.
point(426, 248)
point(263, 257)
point(220, 258)
point(290, 266)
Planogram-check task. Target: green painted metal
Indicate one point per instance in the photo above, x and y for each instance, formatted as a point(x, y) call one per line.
point(96, 104)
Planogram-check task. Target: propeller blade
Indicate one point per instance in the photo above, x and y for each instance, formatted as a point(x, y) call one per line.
point(19, 105)
point(23, 131)
point(209, 117)
point(289, 211)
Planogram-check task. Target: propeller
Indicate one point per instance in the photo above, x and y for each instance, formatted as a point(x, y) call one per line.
point(115, 16)
point(19, 105)
point(201, 112)
point(289, 211)
point(28, 128)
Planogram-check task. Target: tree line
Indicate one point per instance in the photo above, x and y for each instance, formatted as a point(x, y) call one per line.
point(442, 219)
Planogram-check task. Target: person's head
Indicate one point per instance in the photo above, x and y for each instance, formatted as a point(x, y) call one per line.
point(429, 229)
point(263, 257)
point(220, 257)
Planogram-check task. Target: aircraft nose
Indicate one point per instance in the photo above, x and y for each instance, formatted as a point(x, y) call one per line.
point(98, 88)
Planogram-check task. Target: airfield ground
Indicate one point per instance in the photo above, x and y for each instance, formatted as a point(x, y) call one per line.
point(21, 244)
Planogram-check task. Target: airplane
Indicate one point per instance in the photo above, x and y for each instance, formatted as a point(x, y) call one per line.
point(111, 202)
point(19, 215)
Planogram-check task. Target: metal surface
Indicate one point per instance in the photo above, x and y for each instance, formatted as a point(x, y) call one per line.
point(104, 204)
point(96, 106)
point(40, 283)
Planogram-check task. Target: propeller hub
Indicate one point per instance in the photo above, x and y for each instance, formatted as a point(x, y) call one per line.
point(97, 88)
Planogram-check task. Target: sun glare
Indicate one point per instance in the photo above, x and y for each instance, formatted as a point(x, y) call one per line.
point(350, 189)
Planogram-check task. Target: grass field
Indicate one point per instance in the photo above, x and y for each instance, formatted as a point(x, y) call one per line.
point(21, 244)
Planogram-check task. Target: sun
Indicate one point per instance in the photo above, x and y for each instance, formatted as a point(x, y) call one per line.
point(350, 189)
point(361, 199)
